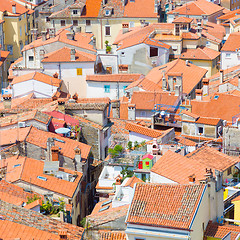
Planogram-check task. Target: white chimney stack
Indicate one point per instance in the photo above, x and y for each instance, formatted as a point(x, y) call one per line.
point(14, 11)
point(221, 76)
point(73, 54)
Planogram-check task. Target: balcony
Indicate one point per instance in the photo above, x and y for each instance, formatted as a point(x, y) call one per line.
point(167, 121)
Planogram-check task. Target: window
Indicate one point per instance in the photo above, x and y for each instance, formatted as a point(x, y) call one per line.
point(47, 19)
point(20, 18)
point(123, 54)
point(105, 134)
point(63, 23)
point(30, 58)
point(107, 12)
point(75, 11)
point(107, 88)
point(25, 28)
point(229, 171)
point(10, 49)
point(207, 43)
point(131, 24)
point(75, 22)
point(107, 31)
point(200, 130)
point(79, 71)
point(228, 55)
point(143, 114)
point(88, 22)
point(153, 52)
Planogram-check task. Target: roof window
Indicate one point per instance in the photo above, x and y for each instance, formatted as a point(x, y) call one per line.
point(103, 209)
point(216, 97)
point(105, 203)
point(42, 178)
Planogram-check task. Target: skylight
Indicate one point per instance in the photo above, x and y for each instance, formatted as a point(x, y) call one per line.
point(105, 203)
point(17, 165)
point(42, 178)
point(103, 209)
point(216, 97)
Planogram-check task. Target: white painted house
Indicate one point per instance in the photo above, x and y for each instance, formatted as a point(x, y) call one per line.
point(41, 85)
point(230, 52)
point(72, 66)
point(109, 85)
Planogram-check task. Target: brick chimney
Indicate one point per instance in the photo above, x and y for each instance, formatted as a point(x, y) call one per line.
point(205, 87)
point(198, 94)
point(62, 234)
point(55, 153)
point(125, 27)
point(78, 159)
point(7, 101)
point(221, 76)
point(192, 178)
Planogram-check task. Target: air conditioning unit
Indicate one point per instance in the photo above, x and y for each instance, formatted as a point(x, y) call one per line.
point(21, 124)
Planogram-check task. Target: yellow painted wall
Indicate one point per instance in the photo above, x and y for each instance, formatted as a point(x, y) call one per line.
point(237, 211)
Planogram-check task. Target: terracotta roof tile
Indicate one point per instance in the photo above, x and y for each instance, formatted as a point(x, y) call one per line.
point(38, 77)
point(182, 20)
point(64, 55)
point(117, 5)
point(14, 194)
point(66, 147)
point(171, 209)
point(113, 77)
point(200, 53)
point(131, 181)
point(140, 8)
point(34, 204)
point(112, 235)
point(232, 42)
point(218, 231)
point(6, 5)
point(197, 8)
point(29, 169)
point(22, 223)
point(132, 127)
point(147, 100)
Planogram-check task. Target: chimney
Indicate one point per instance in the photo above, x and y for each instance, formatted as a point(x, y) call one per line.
point(51, 32)
point(44, 35)
point(187, 62)
point(177, 90)
point(73, 54)
point(209, 175)
point(34, 34)
point(50, 144)
point(192, 179)
point(176, 14)
point(116, 108)
point(199, 31)
point(125, 27)
point(198, 94)
point(131, 112)
point(94, 43)
point(205, 87)
point(71, 35)
point(14, 10)
point(239, 81)
point(221, 76)
point(142, 23)
point(55, 75)
point(62, 234)
point(75, 96)
point(7, 101)
point(54, 152)
point(78, 160)
point(61, 105)
point(204, 19)
point(164, 81)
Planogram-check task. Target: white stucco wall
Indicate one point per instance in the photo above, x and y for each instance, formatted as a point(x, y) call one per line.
point(229, 61)
point(40, 89)
point(155, 178)
point(96, 89)
point(138, 137)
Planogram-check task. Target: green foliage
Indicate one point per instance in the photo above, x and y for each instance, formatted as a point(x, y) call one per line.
point(143, 143)
point(126, 173)
point(108, 48)
point(136, 145)
point(114, 152)
point(106, 43)
point(49, 208)
point(129, 145)
point(34, 198)
point(83, 222)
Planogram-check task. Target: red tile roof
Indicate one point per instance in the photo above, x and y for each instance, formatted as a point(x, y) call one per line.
point(6, 5)
point(218, 231)
point(66, 147)
point(3, 55)
point(29, 169)
point(232, 42)
point(140, 9)
point(200, 53)
point(112, 235)
point(132, 127)
point(41, 77)
point(131, 181)
point(170, 210)
point(82, 40)
point(18, 222)
point(113, 78)
point(64, 55)
point(197, 8)
point(182, 20)
point(147, 100)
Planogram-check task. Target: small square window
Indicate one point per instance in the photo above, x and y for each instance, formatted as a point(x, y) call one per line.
point(200, 130)
point(228, 55)
point(30, 58)
point(75, 11)
point(107, 31)
point(75, 22)
point(88, 22)
point(107, 88)
point(63, 23)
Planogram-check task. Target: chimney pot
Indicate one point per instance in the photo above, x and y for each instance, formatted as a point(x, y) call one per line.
point(198, 94)
point(14, 11)
point(125, 27)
